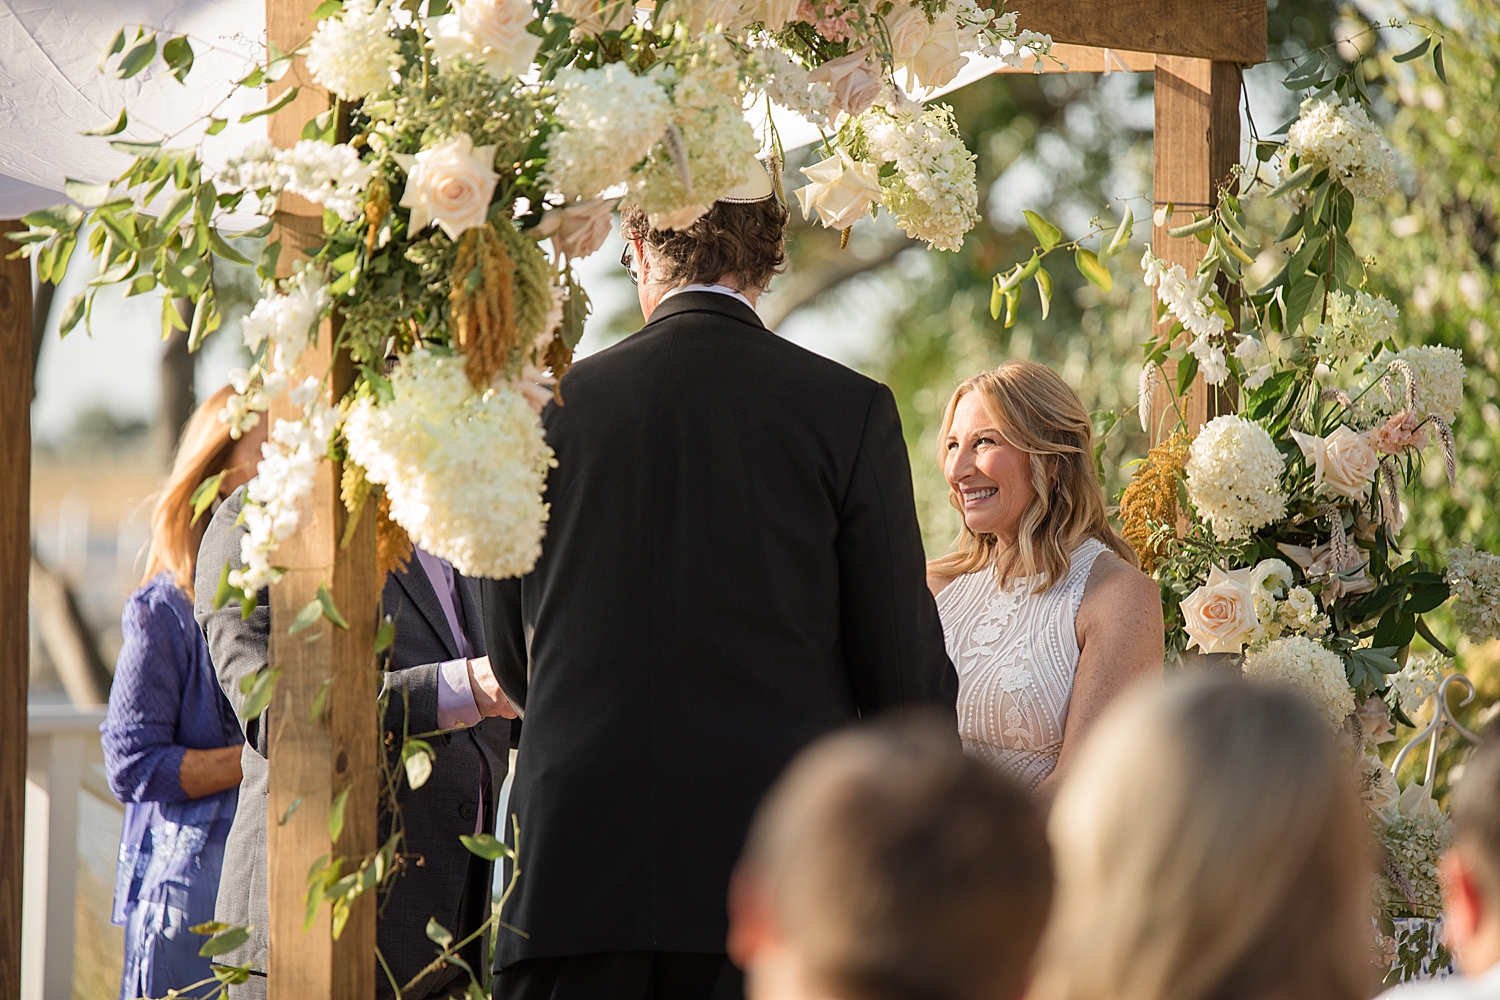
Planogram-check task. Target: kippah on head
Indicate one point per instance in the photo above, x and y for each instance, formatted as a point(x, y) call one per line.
point(757, 188)
point(899, 869)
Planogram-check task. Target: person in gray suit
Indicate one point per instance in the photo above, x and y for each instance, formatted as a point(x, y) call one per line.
point(438, 663)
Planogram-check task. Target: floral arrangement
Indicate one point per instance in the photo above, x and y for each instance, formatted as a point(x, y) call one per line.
point(463, 134)
point(1274, 530)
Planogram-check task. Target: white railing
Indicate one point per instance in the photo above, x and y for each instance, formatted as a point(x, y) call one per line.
point(63, 756)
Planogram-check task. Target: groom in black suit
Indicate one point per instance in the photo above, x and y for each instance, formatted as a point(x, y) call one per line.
point(732, 568)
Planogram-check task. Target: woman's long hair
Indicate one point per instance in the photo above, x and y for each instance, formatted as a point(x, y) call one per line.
point(1210, 845)
point(1039, 413)
point(203, 451)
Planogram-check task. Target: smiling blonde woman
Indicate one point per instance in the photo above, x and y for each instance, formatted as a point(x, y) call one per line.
point(1045, 615)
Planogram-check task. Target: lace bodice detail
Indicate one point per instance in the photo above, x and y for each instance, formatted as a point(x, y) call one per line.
point(1016, 654)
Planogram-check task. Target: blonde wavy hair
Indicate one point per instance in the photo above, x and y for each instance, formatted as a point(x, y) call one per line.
point(1210, 845)
point(1038, 413)
point(203, 452)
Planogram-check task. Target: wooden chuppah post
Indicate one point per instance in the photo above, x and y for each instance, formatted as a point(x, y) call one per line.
point(1196, 145)
point(15, 557)
point(314, 760)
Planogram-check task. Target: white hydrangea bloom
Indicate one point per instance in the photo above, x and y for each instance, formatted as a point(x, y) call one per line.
point(610, 118)
point(353, 54)
point(1354, 325)
point(1474, 578)
point(1186, 298)
point(1233, 477)
point(1308, 667)
point(464, 471)
point(718, 146)
point(287, 320)
point(1341, 138)
point(329, 175)
point(781, 78)
point(932, 195)
point(255, 169)
point(1440, 377)
point(284, 477)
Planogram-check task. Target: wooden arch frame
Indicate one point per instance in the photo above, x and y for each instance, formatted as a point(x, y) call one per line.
point(1196, 48)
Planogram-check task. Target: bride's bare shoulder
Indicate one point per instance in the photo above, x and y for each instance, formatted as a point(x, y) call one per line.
point(938, 582)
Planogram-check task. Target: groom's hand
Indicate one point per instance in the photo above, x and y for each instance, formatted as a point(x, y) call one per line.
point(488, 697)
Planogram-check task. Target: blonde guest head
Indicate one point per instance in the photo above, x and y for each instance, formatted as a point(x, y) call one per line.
point(1051, 504)
point(1210, 846)
point(206, 449)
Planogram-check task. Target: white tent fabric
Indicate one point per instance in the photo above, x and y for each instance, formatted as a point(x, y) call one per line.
point(51, 89)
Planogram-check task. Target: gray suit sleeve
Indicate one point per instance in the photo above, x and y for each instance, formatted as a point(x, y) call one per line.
point(239, 646)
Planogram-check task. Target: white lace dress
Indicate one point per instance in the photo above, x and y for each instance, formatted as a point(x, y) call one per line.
point(1016, 654)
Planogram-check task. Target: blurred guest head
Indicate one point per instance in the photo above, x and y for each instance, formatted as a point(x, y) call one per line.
point(206, 450)
point(1210, 846)
point(1017, 449)
point(886, 865)
point(1471, 870)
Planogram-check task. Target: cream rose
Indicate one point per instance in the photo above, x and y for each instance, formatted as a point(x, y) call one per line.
point(577, 230)
point(491, 33)
point(854, 79)
point(1219, 615)
point(907, 27)
point(1343, 462)
point(841, 192)
point(939, 59)
point(450, 184)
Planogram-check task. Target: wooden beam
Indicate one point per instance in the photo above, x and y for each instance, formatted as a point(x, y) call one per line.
point(1196, 145)
point(1088, 59)
point(314, 761)
point(15, 559)
point(1227, 30)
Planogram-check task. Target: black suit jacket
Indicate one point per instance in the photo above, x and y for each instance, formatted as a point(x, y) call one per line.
point(732, 567)
point(436, 814)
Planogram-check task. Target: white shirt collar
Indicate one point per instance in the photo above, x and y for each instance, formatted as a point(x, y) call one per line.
point(718, 289)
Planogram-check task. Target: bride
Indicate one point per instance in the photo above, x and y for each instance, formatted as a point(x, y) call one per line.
point(1045, 614)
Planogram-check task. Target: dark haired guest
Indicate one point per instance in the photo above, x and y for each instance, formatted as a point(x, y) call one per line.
point(171, 741)
point(886, 865)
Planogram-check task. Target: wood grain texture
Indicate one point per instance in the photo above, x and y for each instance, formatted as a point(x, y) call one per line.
point(1088, 59)
point(1196, 145)
point(1228, 30)
point(316, 760)
point(15, 554)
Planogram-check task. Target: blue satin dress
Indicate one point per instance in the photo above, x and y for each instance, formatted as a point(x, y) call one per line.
point(164, 700)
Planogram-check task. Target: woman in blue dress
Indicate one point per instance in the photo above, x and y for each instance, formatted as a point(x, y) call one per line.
point(171, 741)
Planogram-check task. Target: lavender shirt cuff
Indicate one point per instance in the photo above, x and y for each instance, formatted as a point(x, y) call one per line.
point(456, 708)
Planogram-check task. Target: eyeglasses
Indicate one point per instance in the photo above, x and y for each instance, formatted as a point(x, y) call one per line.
point(628, 263)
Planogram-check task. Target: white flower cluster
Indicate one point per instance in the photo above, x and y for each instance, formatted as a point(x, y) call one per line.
point(932, 195)
point(779, 77)
point(1341, 138)
point(1414, 683)
point(981, 30)
point(1256, 360)
point(1191, 302)
point(1353, 326)
point(675, 186)
point(1474, 579)
point(354, 54)
point(464, 471)
point(329, 175)
point(282, 479)
point(1439, 375)
point(1297, 613)
point(1233, 477)
point(287, 320)
point(1417, 842)
point(1310, 668)
point(609, 119)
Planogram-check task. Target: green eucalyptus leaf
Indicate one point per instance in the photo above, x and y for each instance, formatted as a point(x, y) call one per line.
point(71, 314)
point(1121, 238)
point(113, 128)
point(1047, 234)
point(1437, 63)
point(438, 934)
point(138, 57)
point(225, 591)
point(336, 815)
point(179, 56)
point(263, 686)
point(223, 249)
point(1044, 289)
point(997, 298)
point(1298, 177)
point(385, 634)
point(273, 107)
point(215, 126)
point(116, 44)
point(330, 610)
point(137, 149)
point(306, 618)
point(486, 846)
point(224, 941)
point(1192, 228)
point(328, 7)
point(1091, 268)
point(1415, 51)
